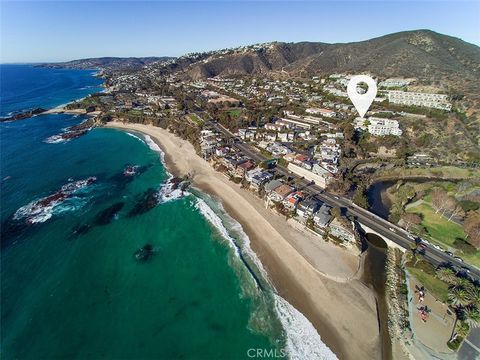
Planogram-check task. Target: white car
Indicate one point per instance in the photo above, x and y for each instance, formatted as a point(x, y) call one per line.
point(391, 229)
point(411, 237)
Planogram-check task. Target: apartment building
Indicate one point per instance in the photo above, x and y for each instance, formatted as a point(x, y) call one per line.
point(434, 101)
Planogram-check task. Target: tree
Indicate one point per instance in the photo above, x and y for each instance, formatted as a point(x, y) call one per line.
point(471, 226)
point(457, 211)
point(439, 199)
point(472, 316)
point(474, 295)
point(447, 275)
point(336, 212)
point(405, 193)
point(411, 219)
point(359, 196)
point(458, 296)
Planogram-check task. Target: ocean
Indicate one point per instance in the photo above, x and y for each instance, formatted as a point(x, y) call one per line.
point(102, 258)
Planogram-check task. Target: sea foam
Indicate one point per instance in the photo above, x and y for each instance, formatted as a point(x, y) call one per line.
point(135, 136)
point(303, 340)
point(152, 145)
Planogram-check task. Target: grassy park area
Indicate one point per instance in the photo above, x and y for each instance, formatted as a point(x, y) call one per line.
point(196, 119)
point(425, 274)
point(235, 112)
point(443, 232)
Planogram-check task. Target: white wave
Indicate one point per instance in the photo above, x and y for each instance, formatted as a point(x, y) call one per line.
point(55, 139)
point(303, 341)
point(134, 136)
point(152, 144)
point(41, 210)
point(168, 193)
point(216, 221)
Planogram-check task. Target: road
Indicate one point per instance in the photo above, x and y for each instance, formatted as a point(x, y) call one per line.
point(376, 223)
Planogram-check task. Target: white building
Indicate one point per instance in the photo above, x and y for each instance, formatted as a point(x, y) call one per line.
point(378, 126)
point(435, 101)
point(395, 82)
point(323, 112)
point(321, 180)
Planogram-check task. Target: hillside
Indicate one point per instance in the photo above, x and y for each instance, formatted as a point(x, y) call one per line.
point(434, 59)
point(108, 63)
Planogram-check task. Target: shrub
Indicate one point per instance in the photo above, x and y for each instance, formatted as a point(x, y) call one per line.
point(455, 344)
point(464, 246)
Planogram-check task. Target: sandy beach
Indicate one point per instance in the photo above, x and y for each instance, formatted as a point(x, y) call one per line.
point(318, 278)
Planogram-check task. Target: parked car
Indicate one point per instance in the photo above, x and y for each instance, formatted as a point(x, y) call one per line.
point(449, 253)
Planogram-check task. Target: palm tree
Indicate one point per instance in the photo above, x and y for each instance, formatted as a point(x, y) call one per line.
point(458, 296)
point(472, 316)
point(474, 295)
point(447, 275)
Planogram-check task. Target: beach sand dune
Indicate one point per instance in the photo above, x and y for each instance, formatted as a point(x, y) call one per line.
point(317, 278)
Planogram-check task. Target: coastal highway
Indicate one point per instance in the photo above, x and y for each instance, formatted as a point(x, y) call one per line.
point(376, 223)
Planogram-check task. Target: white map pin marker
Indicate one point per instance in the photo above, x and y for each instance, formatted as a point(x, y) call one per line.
point(362, 101)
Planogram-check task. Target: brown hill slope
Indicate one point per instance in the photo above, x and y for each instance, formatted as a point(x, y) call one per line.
point(431, 57)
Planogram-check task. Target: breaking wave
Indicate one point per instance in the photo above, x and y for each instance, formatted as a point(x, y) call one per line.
point(64, 200)
point(302, 339)
point(135, 136)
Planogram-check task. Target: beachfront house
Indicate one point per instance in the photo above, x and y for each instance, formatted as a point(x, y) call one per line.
point(322, 217)
point(243, 167)
point(257, 177)
point(306, 208)
point(280, 192)
point(291, 201)
point(342, 230)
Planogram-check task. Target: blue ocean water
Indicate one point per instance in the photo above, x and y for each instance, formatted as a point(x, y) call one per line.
point(72, 222)
point(82, 293)
point(25, 87)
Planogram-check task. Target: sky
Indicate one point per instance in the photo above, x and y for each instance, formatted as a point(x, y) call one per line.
point(40, 31)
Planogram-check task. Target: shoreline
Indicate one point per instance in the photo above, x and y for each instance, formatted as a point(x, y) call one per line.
point(300, 266)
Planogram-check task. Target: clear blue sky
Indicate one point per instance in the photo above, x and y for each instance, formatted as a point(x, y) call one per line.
point(36, 31)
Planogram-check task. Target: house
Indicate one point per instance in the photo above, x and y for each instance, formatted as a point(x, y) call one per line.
point(322, 217)
point(280, 192)
point(272, 185)
point(323, 112)
point(221, 151)
point(278, 149)
point(243, 167)
point(275, 127)
point(285, 137)
point(257, 177)
point(306, 208)
point(341, 230)
point(291, 201)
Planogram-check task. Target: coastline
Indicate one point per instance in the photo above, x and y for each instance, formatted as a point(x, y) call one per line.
point(318, 279)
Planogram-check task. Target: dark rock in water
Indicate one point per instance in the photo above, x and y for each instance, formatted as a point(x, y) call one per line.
point(10, 230)
point(175, 182)
point(148, 201)
point(121, 180)
point(81, 229)
point(106, 216)
point(184, 185)
point(24, 115)
point(84, 125)
point(144, 253)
